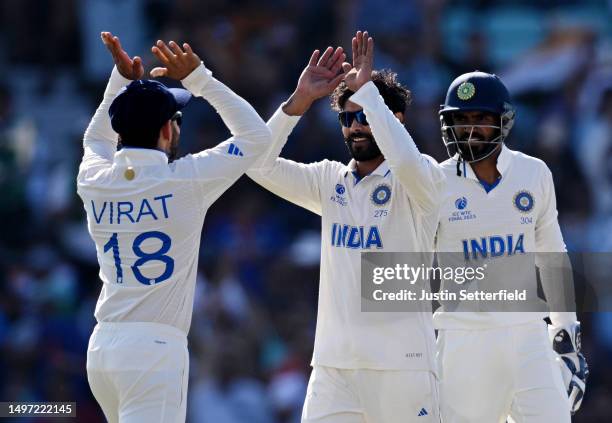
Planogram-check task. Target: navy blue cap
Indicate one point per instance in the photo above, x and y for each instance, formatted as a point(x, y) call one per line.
point(477, 91)
point(145, 105)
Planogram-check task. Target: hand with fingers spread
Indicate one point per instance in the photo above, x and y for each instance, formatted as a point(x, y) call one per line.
point(177, 63)
point(318, 79)
point(363, 61)
point(127, 67)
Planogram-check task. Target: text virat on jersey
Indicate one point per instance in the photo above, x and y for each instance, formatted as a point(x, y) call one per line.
point(117, 212)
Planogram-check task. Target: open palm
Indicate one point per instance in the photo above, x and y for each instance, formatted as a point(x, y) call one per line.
point(363, 60)
point(128, 67)
point(320, 77)
point(178, 63)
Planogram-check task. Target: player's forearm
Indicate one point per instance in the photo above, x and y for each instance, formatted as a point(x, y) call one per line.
point(552, 259)
point(99, 128)
point(238, 115)
point(417, 174)
point(280, 125)
point(289, 180)
point(391, 136)
point(297, 104)
point(292, 181)
point(558, 285)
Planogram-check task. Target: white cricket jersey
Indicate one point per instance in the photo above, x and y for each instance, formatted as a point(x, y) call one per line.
point(516, 217)
point(145, 214)
point(395, 208)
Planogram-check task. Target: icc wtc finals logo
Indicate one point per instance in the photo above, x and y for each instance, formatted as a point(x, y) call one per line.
point(461, 203)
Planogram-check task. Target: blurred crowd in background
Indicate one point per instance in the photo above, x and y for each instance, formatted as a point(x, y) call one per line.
point(255, 307)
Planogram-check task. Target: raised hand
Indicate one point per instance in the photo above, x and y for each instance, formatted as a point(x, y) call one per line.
point(363, 61)
point(318, 79)
point(127, 67)
point(177, 63)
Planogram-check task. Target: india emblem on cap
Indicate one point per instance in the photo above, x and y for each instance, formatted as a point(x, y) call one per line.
point(129, 173)
point(466, 91)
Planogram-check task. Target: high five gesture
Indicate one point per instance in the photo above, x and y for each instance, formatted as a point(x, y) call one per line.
point(363, 60)
point(130, 68)
point(318, 79)
point(177, 63)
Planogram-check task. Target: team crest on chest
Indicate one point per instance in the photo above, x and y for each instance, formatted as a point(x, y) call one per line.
point(523, 201)
point(381, 195)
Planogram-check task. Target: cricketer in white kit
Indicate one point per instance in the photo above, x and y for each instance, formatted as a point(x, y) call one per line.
point(500, 206)
point(145, 216)
point(367, 367)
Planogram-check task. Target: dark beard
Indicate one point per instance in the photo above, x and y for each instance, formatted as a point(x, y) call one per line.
point(366, 150)
point(478, 151)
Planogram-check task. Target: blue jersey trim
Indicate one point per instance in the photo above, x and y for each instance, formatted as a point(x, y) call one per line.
point(357, 177)
point(489, 187)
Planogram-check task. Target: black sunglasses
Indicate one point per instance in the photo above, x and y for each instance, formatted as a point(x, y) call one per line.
point(346, 118)
point(178, 118)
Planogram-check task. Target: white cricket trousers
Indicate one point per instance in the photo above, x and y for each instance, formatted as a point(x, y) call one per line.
point(138, 372)
point(489, 375)
point(371, 396)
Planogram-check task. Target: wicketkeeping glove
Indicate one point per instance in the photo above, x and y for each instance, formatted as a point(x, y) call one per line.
point(566, 343)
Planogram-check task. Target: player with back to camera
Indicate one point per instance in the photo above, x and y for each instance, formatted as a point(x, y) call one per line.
point(500, 205)
point(145, 216)
point(368, 367)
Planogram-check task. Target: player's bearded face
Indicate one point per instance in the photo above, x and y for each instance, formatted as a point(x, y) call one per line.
point(474, 143)
point(361, 146)
point(476, 128)
point(357, 134)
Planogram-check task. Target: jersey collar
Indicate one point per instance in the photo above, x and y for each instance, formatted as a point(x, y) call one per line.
point(382, 169)
point(140, 156)
point(503, 163)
